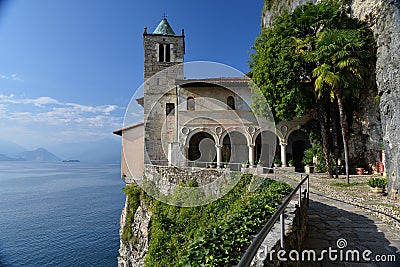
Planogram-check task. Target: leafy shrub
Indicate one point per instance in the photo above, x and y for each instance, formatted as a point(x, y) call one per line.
point(377, 182)
point(214, 234)
point(317, 151)
point(308, 156)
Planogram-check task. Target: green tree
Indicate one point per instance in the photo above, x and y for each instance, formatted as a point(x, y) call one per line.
point(282, 71)
point(293, 60)
point(342, 56)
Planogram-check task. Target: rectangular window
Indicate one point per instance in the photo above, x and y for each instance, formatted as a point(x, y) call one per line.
point(160, 52)
point(169, 108)
point(168, 53)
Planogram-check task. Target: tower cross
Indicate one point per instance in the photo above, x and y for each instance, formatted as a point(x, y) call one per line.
point(165, 16)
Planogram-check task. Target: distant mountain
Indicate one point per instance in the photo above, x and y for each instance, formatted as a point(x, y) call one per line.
point(39, 154)
point(107, 150)
point(10, 149)
point(7, 158)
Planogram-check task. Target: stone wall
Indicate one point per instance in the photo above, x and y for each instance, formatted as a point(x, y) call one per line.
point(211, 182)
point(296, 220)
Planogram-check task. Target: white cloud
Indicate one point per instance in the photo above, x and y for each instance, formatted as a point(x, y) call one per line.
point(13, 77)
point(45, 100)
point(52, 119)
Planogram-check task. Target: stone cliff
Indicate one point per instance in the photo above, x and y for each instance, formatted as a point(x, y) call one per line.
point(388, 80)
point(132, 252)
point(378, 116)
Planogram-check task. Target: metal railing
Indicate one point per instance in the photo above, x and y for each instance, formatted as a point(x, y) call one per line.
point(279, 214)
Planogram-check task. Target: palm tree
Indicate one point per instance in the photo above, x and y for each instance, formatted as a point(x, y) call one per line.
point(341, 57)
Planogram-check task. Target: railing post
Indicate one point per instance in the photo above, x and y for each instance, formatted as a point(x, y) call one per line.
point(300, 196)
point(283, 230)
point(300, 207)
point(308, 190)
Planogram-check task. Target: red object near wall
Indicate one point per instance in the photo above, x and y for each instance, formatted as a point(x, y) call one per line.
point(380, 167)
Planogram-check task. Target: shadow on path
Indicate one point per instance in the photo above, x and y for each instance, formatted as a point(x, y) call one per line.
point(360, 205)
point(348, 231)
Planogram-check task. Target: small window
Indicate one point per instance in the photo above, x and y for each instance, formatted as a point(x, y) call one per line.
point(230, 102)
point(190, 103)
point(160, 52)
point(169, 108)
point(164, 53)
point(168, 53)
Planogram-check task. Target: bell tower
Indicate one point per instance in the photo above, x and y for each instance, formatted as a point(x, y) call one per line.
point(162, 48)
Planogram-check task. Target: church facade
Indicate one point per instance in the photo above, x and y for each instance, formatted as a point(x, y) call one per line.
point(201, 122)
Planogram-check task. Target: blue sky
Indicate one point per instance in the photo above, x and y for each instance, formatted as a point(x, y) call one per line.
point(68, 68)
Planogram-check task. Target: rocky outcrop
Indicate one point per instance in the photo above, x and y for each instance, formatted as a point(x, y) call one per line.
point(277, 7)
point(388, 80)
point(379, 114)
point(132, 252)
point(384, 19)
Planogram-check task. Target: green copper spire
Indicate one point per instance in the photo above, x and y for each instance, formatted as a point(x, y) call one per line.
point(164, 28)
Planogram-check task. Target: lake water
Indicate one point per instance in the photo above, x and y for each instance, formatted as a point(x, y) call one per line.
point(59, 214)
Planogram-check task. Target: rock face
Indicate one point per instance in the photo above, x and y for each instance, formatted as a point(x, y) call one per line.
point(279, 6)
point(132, 253)
point(378, 117)
point(388, 80)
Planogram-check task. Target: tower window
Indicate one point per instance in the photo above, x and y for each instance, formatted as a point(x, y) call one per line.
point(164, 53)
point(169, 108)
point(167, 53)
point(161, 53)
point(190, 103)
point(231, 102)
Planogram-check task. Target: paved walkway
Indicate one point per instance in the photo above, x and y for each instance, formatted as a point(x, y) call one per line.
point(331, 220)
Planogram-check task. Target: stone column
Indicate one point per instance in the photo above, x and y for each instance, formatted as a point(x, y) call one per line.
point(219, 155)
point(251, 155)
point(283, 154)
point(170, 148)
point(186, 151)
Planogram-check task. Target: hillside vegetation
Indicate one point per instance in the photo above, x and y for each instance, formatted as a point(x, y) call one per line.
point(212, 235)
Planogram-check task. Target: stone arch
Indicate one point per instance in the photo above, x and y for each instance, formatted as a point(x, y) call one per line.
point(202, 148)
point(238, 129)
point(197, 130)
point(297, 143)
point(235, 147)
point(275, 131)
point(266, 146)
point(290, 131)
